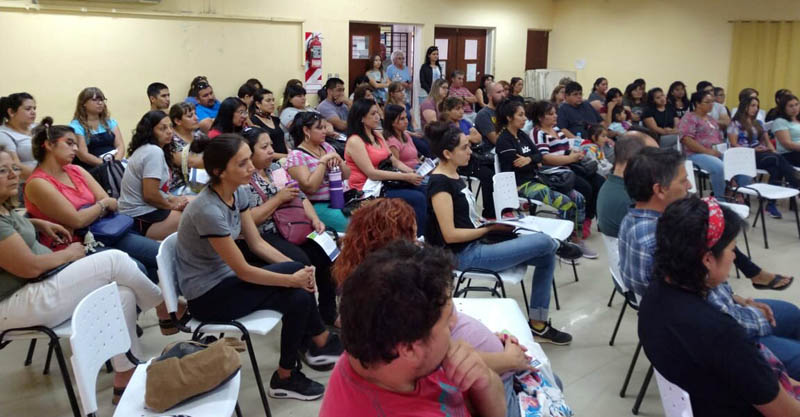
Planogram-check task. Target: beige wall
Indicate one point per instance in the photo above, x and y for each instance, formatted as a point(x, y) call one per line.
point(659, 40)
point(59, 49)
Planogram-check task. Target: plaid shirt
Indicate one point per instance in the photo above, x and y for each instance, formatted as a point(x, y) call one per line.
point(637, 244)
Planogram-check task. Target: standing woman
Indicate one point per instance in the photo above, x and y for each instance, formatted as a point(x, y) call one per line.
point(366, 149)
point(261, 115)
point(377, 79)
point(598, 96)
point(676, 98)
point(429, 110)
point(219, 284)
point(97, 132)
point(786, 128)
point(231, 118)
point(17, 115)
point(310, 163)
point(516, 90)
point(429, 72)
point(145, 184)
point(480, 93)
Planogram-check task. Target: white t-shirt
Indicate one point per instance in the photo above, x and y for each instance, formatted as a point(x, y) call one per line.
point(18, 143)
point(146, 162)
point(718, 111)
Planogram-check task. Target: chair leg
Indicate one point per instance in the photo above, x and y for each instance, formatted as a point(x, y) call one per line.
point(525, 298)
point(109, 368)
point(555, 295)
point(746, 243)
point(619, 320)
point(31, 348)
point(613, 293)
point(238, 410)
point(737, 272)
point(257, 372)
point(574, 270)
point(62, 364)
point(796, 215)
point(46, 370)
point(642, 391)
point(630, 370)
point(763, 222)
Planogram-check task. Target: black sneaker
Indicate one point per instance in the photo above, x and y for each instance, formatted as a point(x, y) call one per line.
point(569, 251)
point(297, 386)
point(323, 358)
point(551, 335)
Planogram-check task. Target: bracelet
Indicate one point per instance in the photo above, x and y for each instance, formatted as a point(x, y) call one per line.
point(102, 206)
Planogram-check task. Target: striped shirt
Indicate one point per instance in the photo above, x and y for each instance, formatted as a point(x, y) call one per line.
point(547, 144)
point(299, 158)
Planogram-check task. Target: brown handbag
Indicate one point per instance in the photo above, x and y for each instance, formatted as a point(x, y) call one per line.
point(186, 370)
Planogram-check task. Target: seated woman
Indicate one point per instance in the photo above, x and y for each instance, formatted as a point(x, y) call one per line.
point(265, 199)
point(366, 149)
point(786, 128)
point(98, 134)
point(451, 110)
point(212, 271)
point(746, 130)
point(519, 155)
point(146, 180)
point(397, 96)
point(772, 114)
point(261, 115)
point(598, 96)
point(699, 133)
point(634, 100)
point(677, 100)
point(661, 118)
point(556, 150)
point(455, 225)
point(691, 342)
point(231, 118)
point(557, 96)
point(429, 109)
point(310, 163)
point(294, 101)
point(39, 287)
point(395, 123)
point(180, 159)
point(17, 116)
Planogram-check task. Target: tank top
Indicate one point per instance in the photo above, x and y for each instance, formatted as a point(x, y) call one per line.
point(79, 196)
point(376, 155)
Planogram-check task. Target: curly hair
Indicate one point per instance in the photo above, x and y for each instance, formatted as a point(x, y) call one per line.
point(394, 297)
point(681, 243)
point(372, 227)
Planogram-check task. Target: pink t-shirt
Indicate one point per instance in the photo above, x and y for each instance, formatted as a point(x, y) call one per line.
point(408, 152)
point(376, 155)
point(348, 395)
point(298, 157)
point(462, 92)
point(705, 131)
point(79, 196)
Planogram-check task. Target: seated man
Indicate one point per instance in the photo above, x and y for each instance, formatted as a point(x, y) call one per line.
point(574, 114)
point(397, 315)
point(158, 94)
point(206, 105)
point(457, 89)
point(333, 108)
point(655, 178)
point(612, 200)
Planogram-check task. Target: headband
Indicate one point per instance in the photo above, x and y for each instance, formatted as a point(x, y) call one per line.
point(716, 222)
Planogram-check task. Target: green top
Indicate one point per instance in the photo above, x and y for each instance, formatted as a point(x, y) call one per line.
point(9, 225)
point(612, 205)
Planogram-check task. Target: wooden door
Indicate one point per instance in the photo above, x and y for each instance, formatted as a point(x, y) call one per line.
point(536, 51)
point(364, 44)
point(466, 51)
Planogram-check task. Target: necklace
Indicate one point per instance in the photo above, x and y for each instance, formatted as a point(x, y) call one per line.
point(319, 153)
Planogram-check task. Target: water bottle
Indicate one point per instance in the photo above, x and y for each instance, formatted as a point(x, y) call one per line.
point(335, 188)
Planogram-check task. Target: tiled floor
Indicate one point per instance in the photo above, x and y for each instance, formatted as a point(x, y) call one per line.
point(591, 370)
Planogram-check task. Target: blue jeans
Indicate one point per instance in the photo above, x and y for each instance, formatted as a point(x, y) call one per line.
point(713, 165)
point(537, 250)
point(143, 250)
point(416, 198)
point(784, 341)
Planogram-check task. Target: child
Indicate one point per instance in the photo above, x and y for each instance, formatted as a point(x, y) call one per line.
point(618, 120)
point(600, 148)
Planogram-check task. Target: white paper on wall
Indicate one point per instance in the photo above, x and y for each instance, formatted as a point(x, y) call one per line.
point(472, 70)
point(471, 49)
point(442, 45)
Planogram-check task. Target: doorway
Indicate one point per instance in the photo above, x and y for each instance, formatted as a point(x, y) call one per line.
point(462, 49)
point(370, 39)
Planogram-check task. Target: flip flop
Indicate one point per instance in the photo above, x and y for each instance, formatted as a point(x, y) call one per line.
point(772, 284)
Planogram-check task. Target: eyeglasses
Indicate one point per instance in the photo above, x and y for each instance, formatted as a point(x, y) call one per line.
point(242, 112)
point(4, 171)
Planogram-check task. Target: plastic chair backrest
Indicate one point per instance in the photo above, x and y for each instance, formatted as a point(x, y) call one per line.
point(496, 164)
point(690, 174)
point(505, 192)
point(99, 332)
point(675, 400)
point(612, 250)
point(739, 161)
point(167, 275)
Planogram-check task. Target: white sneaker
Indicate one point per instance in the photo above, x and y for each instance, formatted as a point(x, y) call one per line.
point(587, 252)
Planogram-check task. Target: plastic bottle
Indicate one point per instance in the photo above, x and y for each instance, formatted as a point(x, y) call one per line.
point(336, 190)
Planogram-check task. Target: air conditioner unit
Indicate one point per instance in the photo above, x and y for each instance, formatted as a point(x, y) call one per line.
point(539, 83)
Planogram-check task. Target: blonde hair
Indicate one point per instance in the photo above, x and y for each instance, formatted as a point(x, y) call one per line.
point(435, 91)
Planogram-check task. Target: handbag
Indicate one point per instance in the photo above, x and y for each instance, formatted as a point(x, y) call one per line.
point(186, 370)
point(497, 236)
point(290, 218)
point(353, 200)
point(109, 176)
point(194, 178)
point(386, 165)
point(558, 179)
point(111, 227)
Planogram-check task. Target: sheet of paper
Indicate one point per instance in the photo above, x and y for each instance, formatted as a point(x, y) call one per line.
point(471, 49)
point(372, 188)
point(442, 44)
point(326, 242)
point(472, 70)
point(426, 167)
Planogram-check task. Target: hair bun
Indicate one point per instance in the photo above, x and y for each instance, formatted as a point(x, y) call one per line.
point(47, 121)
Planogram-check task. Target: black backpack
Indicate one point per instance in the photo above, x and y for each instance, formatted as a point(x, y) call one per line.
point(109, 176)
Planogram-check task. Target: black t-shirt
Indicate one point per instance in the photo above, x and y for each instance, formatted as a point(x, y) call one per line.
point(664, 119)
point(705, 352)
point(507, 150)
point(679, 112)
point(463, 209)
point(276, 134)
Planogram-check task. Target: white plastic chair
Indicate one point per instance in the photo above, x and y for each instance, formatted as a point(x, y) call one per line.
point(98, 333)
point(742, 161)
point(675, 400)
point(258, 322)
point(631, 299)
point(520, 200)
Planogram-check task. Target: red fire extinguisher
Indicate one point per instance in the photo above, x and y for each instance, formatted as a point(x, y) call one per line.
point(314, 53)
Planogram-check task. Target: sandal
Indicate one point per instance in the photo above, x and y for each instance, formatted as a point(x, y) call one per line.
point(772, 285)
point(168, 327)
